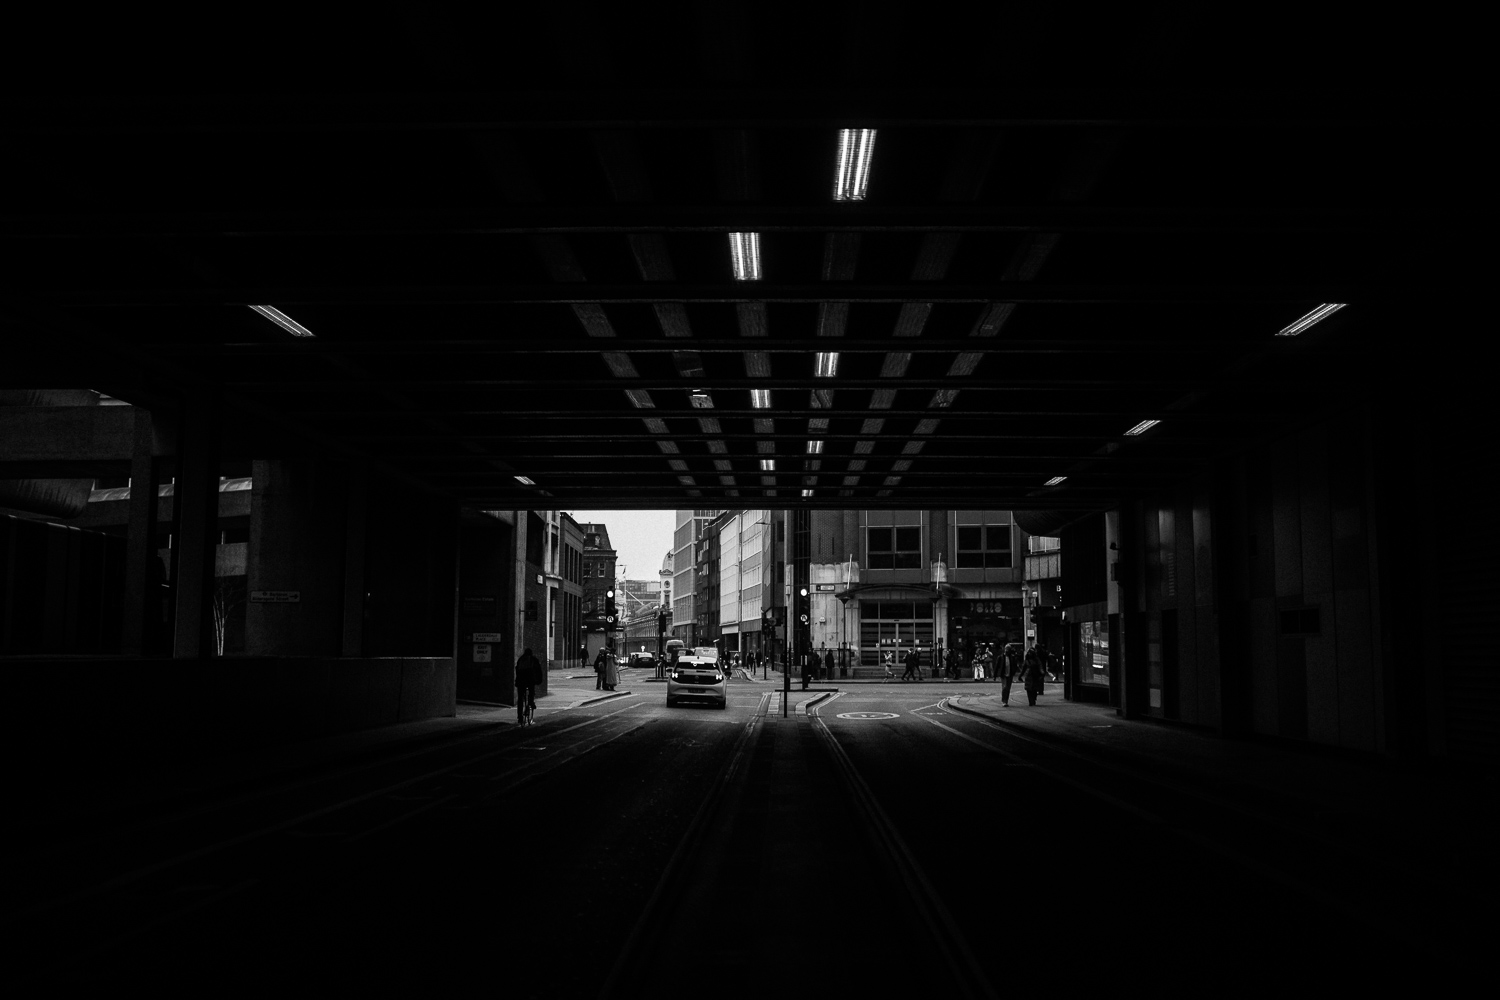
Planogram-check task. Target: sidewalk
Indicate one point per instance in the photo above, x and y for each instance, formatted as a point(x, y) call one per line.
point(1430, 810)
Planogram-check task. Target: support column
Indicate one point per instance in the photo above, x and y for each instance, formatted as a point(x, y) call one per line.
point(141, 613)
point(354, 560)
point(298, 544)
point(196, 499)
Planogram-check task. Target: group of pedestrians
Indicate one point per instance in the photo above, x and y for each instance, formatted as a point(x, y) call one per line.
point(1033, 665)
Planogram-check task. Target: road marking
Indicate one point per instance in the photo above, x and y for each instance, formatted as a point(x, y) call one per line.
point(868, 715)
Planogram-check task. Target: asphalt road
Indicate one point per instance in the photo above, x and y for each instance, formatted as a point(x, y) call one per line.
point(622, 848)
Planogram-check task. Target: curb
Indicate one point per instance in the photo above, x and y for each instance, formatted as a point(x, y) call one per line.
point(806, 707)
point(605, 697)
point(968, 711)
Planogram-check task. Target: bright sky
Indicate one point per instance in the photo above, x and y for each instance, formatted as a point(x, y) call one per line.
point(641, 537)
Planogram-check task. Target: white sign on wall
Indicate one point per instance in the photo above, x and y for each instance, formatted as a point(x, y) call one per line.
point(481, 652)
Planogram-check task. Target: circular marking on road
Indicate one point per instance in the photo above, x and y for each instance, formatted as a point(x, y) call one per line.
point(868, 715)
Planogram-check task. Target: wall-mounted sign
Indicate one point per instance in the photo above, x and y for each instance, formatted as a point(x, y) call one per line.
point(824, 588)
point(540, 578)
point(478, 604)
point(481, 652)
point(275, 597)
point(487, 637)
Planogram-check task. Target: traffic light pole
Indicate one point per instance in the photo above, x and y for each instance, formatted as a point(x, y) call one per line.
point(786, 668)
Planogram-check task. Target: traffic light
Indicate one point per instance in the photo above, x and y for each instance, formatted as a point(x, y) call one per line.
point(609, 610)
point(804, 609)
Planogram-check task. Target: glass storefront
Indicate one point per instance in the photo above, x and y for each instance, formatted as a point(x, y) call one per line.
point(894, 627)
point(1093, 653)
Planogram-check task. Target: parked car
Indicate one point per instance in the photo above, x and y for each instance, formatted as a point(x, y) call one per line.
point(694, 678)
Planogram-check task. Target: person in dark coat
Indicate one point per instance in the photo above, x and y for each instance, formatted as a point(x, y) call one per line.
point(913, 661)
point(528, 676)
point(1034, 671)
point(827, 664)
point(810, 664)
point(599, 661)
point(1006, 667)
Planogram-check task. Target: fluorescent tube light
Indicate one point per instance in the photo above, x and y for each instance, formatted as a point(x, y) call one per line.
point(702, 400)
point(768, 465)
point(807, 493)
point(827, 365)
point(1142, 427)
point(744, 253)
point(1054, 480)
point(1321, 313)
point(524, 481)
point(852, 176)
point(760, 399)
point(815, 446)
point(284, 321)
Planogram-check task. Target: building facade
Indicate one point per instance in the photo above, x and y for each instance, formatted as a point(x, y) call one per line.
point(686, 624)
point(598, 579)
point(564, 575)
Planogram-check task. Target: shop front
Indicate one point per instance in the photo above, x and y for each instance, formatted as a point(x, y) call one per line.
point(974, 623)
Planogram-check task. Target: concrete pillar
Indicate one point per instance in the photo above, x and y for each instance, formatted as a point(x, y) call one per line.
point(483, 551)
point(355, 540)
point(298, 539)
point(141, 611)
point(196, 512)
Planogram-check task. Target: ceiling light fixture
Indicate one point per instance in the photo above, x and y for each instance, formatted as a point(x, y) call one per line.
point(760, 399)
point(284, 321)
point(1141, 428)
point(1054, 480)
point(744, 253)
point(815, 446)
point(1321, 313)
point(856, 147)
point(768, 465)
point(807, 493)
point(827, 364)
point(702, 400)
point(524, 481)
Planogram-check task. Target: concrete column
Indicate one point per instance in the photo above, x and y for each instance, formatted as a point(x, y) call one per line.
point(356, 516)
point(196, 503)
point(141, 613)
point(298, 540)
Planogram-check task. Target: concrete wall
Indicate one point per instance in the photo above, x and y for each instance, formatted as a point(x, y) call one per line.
point(180, 707)
point(1216, 577)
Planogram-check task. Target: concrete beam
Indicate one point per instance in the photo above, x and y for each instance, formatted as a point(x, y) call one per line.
point(42, 435)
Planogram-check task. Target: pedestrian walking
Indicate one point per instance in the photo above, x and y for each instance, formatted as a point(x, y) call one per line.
point(599, 659)
point(1006, 668)
point(913, 663)
point(978, 665)
point(528, 676)
point(1033, 670)
point(886, 661)
point(827, 664)
point(810, 664)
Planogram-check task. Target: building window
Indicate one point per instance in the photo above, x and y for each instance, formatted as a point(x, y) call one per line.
point(895, 548)
point(984, 546)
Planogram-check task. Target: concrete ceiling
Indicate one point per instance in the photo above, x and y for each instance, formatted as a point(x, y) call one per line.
point(508, 238)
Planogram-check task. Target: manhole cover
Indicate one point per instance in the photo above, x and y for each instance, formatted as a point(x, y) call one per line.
point(868, 715)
